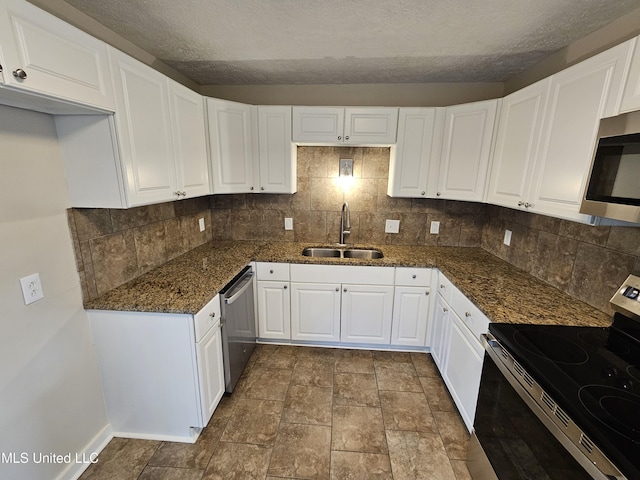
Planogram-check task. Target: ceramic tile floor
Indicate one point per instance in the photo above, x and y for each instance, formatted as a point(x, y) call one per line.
point(313, 413)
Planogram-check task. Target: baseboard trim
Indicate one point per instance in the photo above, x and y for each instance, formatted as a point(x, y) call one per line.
point(89, 453)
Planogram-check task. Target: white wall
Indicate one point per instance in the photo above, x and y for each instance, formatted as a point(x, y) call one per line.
point(50, 395)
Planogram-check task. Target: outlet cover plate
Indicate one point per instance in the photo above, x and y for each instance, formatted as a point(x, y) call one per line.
point(507, 237)
point(435, 228)
point(31, 288)
point(288, 223)
point(201, 224)
point(392, 226)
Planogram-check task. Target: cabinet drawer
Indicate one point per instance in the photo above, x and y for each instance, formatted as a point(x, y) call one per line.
point(471, 316)
point(207, 317)
point(364, 275)
point(273, 271)
point(445, 287)
point(418, 277)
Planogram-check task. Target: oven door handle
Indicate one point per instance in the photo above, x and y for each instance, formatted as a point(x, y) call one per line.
point(238, 293)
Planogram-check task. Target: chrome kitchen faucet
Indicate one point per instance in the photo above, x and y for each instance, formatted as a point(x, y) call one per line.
point(345, 222)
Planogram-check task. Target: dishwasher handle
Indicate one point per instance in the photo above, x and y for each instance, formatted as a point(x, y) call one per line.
point(244, 283)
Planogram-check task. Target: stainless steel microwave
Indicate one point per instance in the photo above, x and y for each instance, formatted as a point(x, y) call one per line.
point(613, 188)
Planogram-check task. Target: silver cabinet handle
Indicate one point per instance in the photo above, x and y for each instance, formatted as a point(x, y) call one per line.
point(438, 194)
point(345, 289)
point(212, 314)
point(337, 289)
point(347, 137)
point(285, 287)
point(339, 138)
point(441, 285)
point(426, 293)
point(251, 188)
point(467, 314)
point(0, 68)
point(520, 203)
point(20, 73)
point(262, 188)
point(271, 272)
point(445, 309)
point(413, 276)
point(423, 193)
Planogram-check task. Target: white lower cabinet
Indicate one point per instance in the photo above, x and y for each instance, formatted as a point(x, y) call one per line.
point(366, 314)
point(274, 311)
point(410, 316)
point(315, 312)
point(456, 349)
point(162, 374)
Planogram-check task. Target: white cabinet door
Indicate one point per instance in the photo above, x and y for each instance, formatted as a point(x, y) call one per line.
point(144, 130)
point(366, 314)
point(351, 125)
point(231, 146)
point(580, 96)
point(274, 310)
point(463, 369)
point(410, 316)
point(517, 143)
point(55, 59)
point(466, 147)
point(315, 311)
point(631, 95)
point(441, 330)
point(411, 157)
point(210, 372)
point(370, 126)
point(189, 141)
point(276, 153)
point(318, 124)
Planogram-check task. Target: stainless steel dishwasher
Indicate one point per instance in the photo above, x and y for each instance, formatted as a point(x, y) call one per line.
point(238, 325)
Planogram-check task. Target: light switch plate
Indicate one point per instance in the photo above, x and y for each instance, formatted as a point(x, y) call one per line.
point(435, 228)
point(392, 226)
point(201, 224)
point(31, 288)
point(288, 223)
point(507, 237)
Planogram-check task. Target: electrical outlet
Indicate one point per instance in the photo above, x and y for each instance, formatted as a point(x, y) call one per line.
point(507, 237)
point(201, 224)
point(288, 223)
point(31, 288)
point(392, 226)
point(435, 228)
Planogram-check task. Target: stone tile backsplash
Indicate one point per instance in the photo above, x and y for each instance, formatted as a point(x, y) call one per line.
point(115, 246)
point(586, 262)
point(315, 207)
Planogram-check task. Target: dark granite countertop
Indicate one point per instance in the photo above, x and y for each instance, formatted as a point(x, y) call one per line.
point(503, 292)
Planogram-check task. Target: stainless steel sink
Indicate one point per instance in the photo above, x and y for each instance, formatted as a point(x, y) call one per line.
point(366, 253)
point(322, 252)
point(327, 252)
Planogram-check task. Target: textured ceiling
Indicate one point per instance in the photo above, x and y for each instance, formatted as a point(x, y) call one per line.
point(352, 41)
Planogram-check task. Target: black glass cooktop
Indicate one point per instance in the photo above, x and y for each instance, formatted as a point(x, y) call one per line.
point(594, 376)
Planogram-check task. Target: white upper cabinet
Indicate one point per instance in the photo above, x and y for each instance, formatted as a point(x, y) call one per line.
point(466, 148)
point(144, 130)
point(251, 149)
point(631, 94)
point(350, 125)
point(45, 56)
point(231, 146)
point(517, 142)
point(579, 97)
point(412, 156)
point(152, 150)
point(189, 140)
point(276, 153)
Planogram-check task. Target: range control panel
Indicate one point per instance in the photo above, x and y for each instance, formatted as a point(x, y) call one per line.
point(627, 299)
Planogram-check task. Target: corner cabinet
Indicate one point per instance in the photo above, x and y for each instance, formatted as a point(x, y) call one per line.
point(345, 126)
point(466, 148)
point(162, 374)
point(251, 149)
point(152, 150)
point(412, 157)
point(47, 57)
